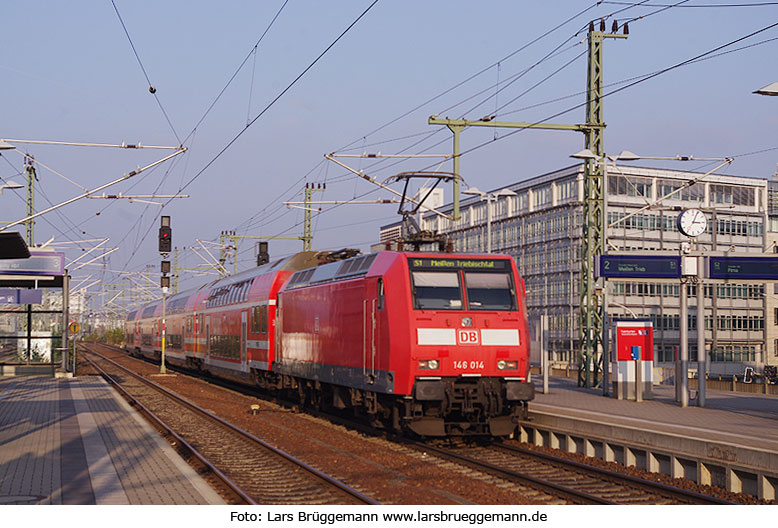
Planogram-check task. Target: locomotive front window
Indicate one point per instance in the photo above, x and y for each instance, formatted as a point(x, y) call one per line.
point(489, 291)
point(436, 290)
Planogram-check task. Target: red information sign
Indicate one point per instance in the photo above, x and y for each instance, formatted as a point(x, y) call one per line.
point(634, 337)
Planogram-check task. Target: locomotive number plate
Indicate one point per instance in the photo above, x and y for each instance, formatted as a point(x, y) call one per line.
point(472, 365)
point(468, 337)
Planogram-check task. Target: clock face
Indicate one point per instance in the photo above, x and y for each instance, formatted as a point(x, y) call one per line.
point(692, 222)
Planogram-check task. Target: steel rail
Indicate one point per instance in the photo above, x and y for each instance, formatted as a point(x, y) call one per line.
point(182, 446)
point(536, 483)
point(657, 487)
point(310, 469)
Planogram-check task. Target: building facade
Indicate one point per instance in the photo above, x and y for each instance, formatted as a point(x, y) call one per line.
point(540, 226)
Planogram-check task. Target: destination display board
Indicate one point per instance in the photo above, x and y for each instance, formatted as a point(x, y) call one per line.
point(38, 264)
point(459, 263)
point(755, 268)
point(639, 266)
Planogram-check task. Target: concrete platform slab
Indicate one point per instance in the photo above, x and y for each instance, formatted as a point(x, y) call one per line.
point(74, 441)
point(732, 442)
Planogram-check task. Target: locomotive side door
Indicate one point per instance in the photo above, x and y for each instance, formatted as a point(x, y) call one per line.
point(372, 304)
point(243, 325)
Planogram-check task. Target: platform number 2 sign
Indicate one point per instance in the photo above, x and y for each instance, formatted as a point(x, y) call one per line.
point(468, 337)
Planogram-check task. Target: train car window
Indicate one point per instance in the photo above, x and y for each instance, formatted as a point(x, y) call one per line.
point(436, 290)
point(259, 319)
point(255, 320)
point(380, 294)
point(489, 291)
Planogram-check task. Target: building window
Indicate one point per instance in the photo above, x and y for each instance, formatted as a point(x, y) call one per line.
point(566, 190)
point(620, 185)
point(729, 194)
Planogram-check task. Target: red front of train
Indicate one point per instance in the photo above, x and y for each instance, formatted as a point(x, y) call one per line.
point(434, 343)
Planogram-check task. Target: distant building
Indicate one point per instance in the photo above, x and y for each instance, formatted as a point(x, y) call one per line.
point(541, 228)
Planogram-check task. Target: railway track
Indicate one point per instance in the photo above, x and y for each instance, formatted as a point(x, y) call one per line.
point(542, 477)
point(558, 480)
point(248, 470)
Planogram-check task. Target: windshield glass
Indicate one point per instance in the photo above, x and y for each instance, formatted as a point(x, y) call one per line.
point(489, 291)
point(436, 290)
point(462, 284)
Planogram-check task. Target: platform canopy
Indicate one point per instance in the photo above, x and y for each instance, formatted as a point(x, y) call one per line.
point(13, 246)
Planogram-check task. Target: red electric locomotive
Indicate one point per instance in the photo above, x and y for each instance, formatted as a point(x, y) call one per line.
point(433, 343)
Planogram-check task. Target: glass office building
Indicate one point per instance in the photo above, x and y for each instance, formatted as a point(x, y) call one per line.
point(540, 226)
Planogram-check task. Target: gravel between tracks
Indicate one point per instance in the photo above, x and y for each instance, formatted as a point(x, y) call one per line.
point(388, 472)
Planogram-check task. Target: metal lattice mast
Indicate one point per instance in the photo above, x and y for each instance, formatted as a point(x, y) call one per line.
point(29, 168)
point(223, 249)
point(308, 223)
point(175, 270)
point(593, 224)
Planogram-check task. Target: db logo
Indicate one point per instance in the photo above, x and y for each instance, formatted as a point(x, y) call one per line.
point(468, 337)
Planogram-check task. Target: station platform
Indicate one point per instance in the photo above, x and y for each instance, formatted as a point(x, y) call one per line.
point(732, 442)
point(75, 441)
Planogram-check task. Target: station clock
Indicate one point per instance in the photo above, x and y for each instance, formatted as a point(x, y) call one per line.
point(692, 222)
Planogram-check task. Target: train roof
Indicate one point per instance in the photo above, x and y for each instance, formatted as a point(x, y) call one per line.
point(229, 290)
point(308, 269)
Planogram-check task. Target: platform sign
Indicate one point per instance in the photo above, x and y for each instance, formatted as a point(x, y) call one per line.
point(39, 263)
point(18, 297)
point(638, 266)
point(754, 268)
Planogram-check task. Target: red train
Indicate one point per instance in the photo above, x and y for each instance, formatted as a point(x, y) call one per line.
point(433, 343)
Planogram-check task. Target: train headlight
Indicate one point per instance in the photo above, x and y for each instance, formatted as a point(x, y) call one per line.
point(507, 365)
point(428, 364)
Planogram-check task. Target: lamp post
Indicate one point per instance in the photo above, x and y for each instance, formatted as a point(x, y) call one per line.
point(489, 197)
point(770, 89)
point(10, 185)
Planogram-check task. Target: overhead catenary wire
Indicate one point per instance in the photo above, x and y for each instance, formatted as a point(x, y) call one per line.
point(235, 74)
point(484, 70)
point(269, 105)
point(699, 6)
point(578, 105)
point(622, 88)
point(45, 197)
point(471, 77)
point(641, 79)
point(277, 97)
point(152, 90)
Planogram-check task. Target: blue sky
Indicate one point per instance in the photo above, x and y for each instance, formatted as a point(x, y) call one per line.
point(70, 74)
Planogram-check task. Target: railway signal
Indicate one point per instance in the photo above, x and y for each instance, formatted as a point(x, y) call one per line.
point(165, 235)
